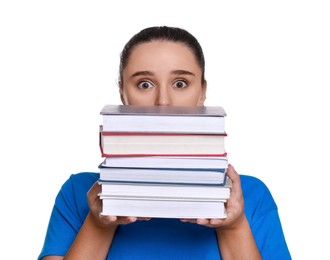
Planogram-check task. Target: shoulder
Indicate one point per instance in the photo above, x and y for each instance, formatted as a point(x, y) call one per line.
point(73, 194)
point(82, 180)
point(257, 196)
point(250, 183)
point(78, 184)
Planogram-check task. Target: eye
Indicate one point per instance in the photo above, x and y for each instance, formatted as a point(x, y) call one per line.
point(145, 85)
point(180, 84)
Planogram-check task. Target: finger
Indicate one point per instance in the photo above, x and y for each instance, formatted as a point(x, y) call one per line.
point(190, 220)
point(117, 219)
point(216, 221)
point(106, 218)
point(127, 220)
point(202, 221)
point(94, 190)
point(233, 175)
point(93, 198)
point(143, 218)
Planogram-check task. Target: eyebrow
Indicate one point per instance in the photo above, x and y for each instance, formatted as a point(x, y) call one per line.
point(182, 72)
point(142, 73)
point(150, 73)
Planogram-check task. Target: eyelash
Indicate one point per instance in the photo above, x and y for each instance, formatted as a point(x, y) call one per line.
point(141, 83)
point(184, 82)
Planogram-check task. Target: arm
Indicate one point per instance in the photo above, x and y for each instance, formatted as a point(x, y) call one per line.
point(235, 229)
point(237, 242)
point(94, 238)
point(92, 242)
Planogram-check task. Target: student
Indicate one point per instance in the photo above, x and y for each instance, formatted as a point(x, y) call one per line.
point(163, 66)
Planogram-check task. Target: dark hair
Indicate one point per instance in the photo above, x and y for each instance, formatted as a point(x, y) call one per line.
point(173, 34)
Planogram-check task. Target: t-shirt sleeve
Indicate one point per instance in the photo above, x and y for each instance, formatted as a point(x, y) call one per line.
point(262, 212)
point(65, 221)
point(270, 238)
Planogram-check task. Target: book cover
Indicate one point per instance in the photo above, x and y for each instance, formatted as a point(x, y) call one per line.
point(160, 190)
point(187, 162)
point(120, 118)
point(209, 111)
point(159, 208)
point(163, 175)
point(128, 144)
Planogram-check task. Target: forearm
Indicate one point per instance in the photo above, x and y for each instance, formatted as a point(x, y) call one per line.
point(238, 242)
point(92, 242)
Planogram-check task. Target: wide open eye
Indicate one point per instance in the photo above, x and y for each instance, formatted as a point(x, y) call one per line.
point(145, 85)
point(180, 84)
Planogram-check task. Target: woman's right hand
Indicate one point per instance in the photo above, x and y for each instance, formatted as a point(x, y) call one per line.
point(102, 221)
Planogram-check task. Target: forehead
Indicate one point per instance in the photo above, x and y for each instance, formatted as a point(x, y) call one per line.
point(160, 53)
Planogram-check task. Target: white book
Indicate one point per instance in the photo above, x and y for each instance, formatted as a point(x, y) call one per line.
point(155, 190)
point(177, 162)
point(163, 208)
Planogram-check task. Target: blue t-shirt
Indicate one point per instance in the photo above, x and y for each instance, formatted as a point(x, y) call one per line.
point(163, 238)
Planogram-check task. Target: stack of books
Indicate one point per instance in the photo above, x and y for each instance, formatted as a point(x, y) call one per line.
point(163, 161)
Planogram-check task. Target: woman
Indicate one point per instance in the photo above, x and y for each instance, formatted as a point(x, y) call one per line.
point(163, 66)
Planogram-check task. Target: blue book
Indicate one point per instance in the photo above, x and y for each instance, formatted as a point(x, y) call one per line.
point(201, 176)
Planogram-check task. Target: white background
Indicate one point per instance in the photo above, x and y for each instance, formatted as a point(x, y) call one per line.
point(267, 64)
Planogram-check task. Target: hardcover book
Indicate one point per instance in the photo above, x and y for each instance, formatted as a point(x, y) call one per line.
point(160, 208)
point(166, 191)
point(177, 162)
point(129, 144)
point(172, 119)
point(163, 175)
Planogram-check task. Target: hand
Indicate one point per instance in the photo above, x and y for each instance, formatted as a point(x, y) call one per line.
point(234, 206)
point(95, 206)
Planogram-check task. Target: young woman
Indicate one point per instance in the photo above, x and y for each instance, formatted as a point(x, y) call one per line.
point(163, 66)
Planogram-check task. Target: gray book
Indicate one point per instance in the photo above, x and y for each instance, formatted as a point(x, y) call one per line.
point(166, 119)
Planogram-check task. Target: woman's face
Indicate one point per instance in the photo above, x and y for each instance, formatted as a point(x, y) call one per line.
point(162, 73)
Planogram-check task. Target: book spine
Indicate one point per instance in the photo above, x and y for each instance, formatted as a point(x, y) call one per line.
point(105, 133)
point(183, 155)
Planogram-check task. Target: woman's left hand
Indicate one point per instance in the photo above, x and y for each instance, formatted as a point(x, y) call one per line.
point(234, 206)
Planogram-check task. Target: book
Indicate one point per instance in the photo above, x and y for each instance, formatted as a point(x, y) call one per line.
point(177, 162)
point(129, 144)
point(166, 191)
point(163, 175)
point(171, 119)
point(159, 208)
